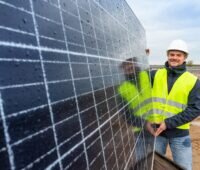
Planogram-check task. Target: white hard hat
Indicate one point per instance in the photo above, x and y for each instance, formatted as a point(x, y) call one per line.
point(179, 45)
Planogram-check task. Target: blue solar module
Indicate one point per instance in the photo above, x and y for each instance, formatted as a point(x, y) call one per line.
point(60, 69)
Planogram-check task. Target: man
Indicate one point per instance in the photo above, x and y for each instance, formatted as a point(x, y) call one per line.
point(134, 90)
point(176, 102)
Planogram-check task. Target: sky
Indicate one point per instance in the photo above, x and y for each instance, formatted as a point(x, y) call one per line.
point(166, 20)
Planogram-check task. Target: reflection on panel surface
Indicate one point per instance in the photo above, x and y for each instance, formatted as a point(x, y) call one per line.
point(63, 105)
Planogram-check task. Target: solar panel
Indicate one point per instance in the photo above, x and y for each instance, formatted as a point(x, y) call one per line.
point(60, 69)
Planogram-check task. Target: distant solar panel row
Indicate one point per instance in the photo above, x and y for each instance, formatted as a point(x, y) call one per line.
point(59, 71)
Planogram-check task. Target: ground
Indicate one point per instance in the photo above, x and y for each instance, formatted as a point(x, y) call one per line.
point(195, 136)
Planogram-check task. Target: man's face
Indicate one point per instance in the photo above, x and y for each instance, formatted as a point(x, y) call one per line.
point(128, 68)
point(176, 58)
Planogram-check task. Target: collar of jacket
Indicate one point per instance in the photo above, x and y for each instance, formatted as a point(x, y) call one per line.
point(176, 70)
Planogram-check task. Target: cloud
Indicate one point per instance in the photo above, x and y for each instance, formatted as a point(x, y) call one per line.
point(168, 20)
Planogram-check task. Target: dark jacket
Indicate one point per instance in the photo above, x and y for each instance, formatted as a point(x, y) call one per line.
point(193, 107)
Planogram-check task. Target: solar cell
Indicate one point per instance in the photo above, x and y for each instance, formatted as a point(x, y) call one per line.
point(59, 73)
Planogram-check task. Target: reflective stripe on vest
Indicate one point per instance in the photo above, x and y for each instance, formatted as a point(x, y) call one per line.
point(167, 105)
point(139, 99)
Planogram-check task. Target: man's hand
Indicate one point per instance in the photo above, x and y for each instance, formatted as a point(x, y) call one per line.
point(156, 132)
point(161, 128)
point(150, 128)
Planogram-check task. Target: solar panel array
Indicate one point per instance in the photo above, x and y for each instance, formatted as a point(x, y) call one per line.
point(59, 73)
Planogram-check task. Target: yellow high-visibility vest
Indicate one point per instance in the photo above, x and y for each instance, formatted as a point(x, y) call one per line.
point(138, 96)
point(167, 105)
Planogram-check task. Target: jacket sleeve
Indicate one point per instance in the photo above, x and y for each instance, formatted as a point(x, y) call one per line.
point(191, 112)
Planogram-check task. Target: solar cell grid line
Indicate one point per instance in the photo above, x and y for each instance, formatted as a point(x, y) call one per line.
point(125, 124)
point(21, 85)
point(113, 18)
point(40, 158)
point(55, 3)
point(46, 49)
point(98, 154)
point(89, 2)
point(141, 134)
point(75, 160)
point(132, 153)
point(146, 161)
point(16, 30)
point(110, 157)
point(126, 133)
point(101, 141)
point(60, 24)
point(45, 79)
point(70, 12)
point(89, 125)
point(20, 60)
point(127, 144)
point(50, 38)
point(126, 21)
point(109, 14)
point(30, 136)
point(41, 131)
point(119, 120)
point(105, 47)
point(84, 139)
point(132, 136)
point(146, 149)
point(81, 126)
point(116, 99)
point(15, 114)
point(15, 7)
point(115, 115)
point(129, 140)
point(103, 30)
point(54, 15)
point(29, 166)
point(116, 135)
point(130, 51)
point(7, 136)
point(48, 19)
point(106, 100)
point(41, 106)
